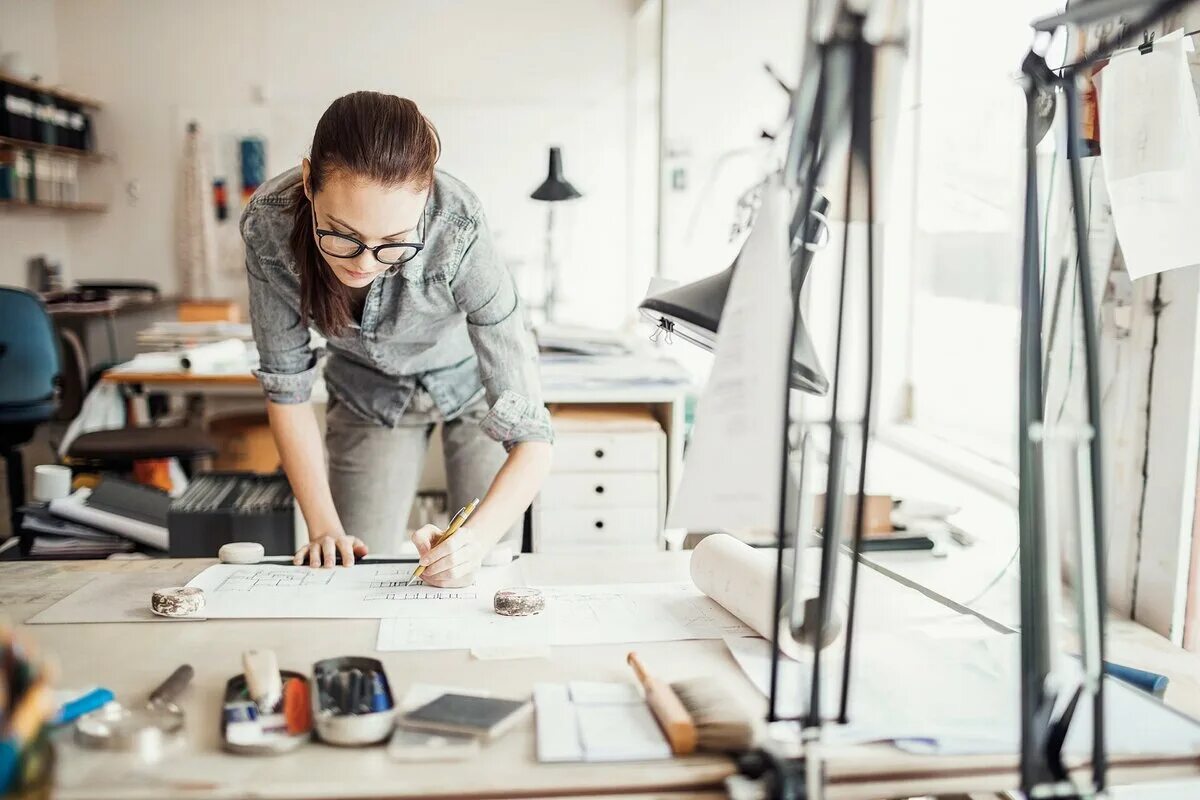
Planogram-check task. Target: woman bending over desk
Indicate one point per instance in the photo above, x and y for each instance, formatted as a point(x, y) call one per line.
point(392, 261)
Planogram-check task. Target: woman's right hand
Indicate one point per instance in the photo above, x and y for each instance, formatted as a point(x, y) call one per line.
point(322, 551)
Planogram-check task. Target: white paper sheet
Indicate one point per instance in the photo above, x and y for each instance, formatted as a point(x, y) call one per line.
point(363, 591)
point(954, 690)
point(595, 722)
point(574, 615)
point(1150, 129)
point(114, 597)
point(731, 475)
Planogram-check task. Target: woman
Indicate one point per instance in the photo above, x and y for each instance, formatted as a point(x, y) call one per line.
point(393, 263)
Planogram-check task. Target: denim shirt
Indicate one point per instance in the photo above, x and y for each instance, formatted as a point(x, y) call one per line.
point(448, 321)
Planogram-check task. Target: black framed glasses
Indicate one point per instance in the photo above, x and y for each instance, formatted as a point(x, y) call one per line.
point(341, 245)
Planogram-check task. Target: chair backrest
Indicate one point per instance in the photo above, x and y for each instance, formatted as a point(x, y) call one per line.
point(73, 384)
point(29, 363)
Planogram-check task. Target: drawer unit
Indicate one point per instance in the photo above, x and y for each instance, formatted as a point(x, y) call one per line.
point(607, 488)
point(569, 529)
point(607, 452)
point(601, 490)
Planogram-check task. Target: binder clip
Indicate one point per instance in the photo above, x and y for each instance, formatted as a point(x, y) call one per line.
point(1147, 45)
point(665, 326)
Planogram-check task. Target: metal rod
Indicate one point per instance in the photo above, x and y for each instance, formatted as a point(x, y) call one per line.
point(1034, 651)
point(1091, 349)
point(849, 32)
point(861, 148)
point(813, 165)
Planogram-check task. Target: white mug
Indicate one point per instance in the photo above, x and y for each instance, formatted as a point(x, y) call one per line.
point(51, 482)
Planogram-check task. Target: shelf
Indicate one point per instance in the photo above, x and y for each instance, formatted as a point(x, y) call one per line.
point(70, 97)
point(52, 149)
point(70, 208)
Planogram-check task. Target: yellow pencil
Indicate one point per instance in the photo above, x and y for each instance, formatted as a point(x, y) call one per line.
point(455, 524)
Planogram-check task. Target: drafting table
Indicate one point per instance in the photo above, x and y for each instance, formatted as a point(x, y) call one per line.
point(132, 658)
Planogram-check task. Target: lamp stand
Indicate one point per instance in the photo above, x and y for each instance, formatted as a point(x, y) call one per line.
point(550, 268)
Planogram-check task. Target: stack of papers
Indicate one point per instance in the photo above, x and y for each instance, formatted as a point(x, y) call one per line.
point(565, 372)
point(187, 334)
point(60, 538)
point(581, 341)
point(588, 721)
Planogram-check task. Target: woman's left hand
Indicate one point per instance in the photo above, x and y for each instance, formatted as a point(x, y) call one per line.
point(452, 563)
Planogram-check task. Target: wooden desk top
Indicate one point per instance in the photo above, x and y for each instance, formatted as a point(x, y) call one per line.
point(245, 379)
point(132, 658)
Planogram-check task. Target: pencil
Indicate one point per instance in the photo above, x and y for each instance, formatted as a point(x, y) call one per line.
point(459, 519)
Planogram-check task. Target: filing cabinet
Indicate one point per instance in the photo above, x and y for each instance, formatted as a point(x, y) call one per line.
point(607, 488)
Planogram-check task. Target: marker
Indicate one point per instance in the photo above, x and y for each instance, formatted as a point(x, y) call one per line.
point(379, 695)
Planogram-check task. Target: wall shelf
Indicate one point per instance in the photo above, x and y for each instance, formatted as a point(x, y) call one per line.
point(52, 149)
point(70, 97)
point(67, 208)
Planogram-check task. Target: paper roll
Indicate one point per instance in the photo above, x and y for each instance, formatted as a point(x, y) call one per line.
point(224, 355)
point(741, 579)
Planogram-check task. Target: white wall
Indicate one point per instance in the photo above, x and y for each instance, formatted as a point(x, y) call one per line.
point(28, 27)
point(502, 81)
point(717, 99)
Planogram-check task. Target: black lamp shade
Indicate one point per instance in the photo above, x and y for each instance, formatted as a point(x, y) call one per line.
point(693, 313)
point(555, 187)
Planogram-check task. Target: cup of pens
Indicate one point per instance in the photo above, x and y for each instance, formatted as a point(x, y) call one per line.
point(26, 754)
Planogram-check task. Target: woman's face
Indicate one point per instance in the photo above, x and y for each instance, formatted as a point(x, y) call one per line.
point(370, 213)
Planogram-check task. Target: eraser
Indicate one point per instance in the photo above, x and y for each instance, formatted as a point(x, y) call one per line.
point(241, 553)
point(263, 680)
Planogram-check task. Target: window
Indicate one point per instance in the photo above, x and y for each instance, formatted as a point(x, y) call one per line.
point(951, 337)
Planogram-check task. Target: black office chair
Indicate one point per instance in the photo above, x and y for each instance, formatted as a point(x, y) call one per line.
point(116, 450)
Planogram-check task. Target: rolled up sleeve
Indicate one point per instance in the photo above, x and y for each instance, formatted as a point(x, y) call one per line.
point(503, 342)
point(287, 362)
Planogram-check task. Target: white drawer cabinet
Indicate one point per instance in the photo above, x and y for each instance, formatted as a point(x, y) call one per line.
point(607, 488)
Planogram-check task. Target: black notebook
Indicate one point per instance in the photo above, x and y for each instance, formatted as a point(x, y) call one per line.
point(486, 717)
point(130, 500)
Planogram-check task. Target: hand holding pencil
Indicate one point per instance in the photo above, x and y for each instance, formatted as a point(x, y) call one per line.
point(449, 558)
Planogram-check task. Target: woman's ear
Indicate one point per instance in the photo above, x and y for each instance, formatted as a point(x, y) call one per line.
point(305, 170)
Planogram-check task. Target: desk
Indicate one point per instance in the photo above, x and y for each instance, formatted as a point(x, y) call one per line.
point(576, 381)
point(132, 658)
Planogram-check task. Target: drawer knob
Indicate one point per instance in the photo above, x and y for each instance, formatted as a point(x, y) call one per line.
point(599, 524)
point(599, 453)
point(599, 490)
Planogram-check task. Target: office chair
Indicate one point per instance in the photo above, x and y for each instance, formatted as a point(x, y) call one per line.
point(116, 450)
point(38, 384)
point(28, 383)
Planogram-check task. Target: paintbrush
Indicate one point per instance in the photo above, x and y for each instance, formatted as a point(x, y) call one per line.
point(455, 524)
point(696, 714)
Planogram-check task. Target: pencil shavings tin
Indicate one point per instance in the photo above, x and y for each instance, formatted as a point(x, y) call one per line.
point(177, 601)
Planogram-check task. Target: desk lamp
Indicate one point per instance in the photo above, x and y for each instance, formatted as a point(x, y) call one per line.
point(555, 189)
point(831, 113)
point(693, 311)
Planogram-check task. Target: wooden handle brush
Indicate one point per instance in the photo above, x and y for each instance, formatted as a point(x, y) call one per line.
point(676, 723)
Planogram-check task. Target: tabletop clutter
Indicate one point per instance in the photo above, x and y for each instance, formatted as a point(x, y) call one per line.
point(350, 700)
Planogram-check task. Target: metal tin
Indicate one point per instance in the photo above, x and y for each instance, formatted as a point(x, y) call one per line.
point(235, 691)
point(351, 729)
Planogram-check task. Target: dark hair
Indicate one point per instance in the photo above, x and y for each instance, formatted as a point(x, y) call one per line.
point(376, 137)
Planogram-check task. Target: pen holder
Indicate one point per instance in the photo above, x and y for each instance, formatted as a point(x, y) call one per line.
point(352, 701)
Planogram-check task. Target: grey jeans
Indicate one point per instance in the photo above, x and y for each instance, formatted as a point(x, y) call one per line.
point(374, 470)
